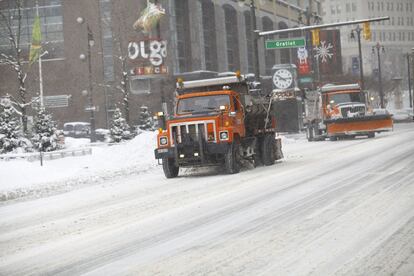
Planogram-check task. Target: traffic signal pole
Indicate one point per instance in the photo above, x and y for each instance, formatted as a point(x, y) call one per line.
point(322, 26)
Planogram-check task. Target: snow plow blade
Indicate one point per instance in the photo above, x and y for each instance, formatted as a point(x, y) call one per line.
point(359, 125)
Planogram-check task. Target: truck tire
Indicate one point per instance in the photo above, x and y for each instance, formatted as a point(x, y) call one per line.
point(268, 150)
point(169, 168)
point(371, 135)
point(310, 133)
point(232, 159)
point(333, 138)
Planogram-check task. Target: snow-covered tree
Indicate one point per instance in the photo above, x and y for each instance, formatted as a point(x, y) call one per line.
point(11, 137)
point(11, 20)
point(44, 131)
point(145, 120)
point(119, 127)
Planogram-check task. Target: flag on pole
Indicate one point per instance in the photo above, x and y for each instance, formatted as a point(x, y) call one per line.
point(36, 45)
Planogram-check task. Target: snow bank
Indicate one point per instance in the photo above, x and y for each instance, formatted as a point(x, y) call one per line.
point(20, 178)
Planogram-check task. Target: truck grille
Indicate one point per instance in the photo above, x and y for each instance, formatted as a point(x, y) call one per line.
point(190, 132)
point(352, 109)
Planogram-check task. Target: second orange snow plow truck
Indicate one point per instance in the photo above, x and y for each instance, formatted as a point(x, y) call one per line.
point(218, 121)
point(342, 111)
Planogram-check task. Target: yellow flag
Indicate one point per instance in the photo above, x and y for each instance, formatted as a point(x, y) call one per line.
point(366, 31)
point(315, 37)
point(36, 45)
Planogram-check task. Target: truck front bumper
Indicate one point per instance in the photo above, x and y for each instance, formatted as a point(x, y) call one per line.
point(192, 152)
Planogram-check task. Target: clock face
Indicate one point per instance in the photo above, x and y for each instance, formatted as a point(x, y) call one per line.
point(282, 78)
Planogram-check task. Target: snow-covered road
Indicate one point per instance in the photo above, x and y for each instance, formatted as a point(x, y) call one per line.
point(330, 208)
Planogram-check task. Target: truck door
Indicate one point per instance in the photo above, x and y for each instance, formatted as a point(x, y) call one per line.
point(238, 117)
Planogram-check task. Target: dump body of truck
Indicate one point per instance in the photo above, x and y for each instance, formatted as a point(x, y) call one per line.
point(218, 122)
point(342, 111)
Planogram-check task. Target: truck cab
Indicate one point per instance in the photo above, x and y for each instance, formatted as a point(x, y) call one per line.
point(346, 102)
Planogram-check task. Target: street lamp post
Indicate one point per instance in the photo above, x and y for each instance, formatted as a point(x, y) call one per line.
point(255, 34)
point(361, 70)
point(409, 79)
point(91, 43)
point(379, 47)
point(412, 54)
point(255, 41)
point(89, 94)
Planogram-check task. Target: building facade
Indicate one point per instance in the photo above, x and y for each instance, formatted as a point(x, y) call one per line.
point(193, 36)
point(396, 34)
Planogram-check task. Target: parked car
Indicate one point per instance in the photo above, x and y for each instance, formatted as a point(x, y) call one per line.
point(102, 134)
point(77, 129)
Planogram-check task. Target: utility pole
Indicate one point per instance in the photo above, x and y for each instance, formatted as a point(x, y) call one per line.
point(379, 47)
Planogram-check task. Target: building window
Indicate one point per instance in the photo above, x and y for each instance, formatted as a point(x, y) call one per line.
point(354, 7)
point(51, 21)
point(230, 17)
point(209, 32)
point(270, 56)
point(249, 41)
point(183, 35)
point(348, 7)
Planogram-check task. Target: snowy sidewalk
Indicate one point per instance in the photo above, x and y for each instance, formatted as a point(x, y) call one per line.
point(20, 178)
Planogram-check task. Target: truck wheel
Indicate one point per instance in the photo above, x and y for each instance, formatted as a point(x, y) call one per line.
point(333, 138)
point(371, 135)
point(268, 150)
point(232, 159)
point(169, 168)
point(310, 133)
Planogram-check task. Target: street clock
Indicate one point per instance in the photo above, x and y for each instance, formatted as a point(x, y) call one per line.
point(284, 76)
point(282, 79)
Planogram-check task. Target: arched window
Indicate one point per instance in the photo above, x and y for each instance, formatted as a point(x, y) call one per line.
point(270, 56)
point(249, 41)
point(284, 53)
point(230, 17)
point(183, 35)
point(209, 33)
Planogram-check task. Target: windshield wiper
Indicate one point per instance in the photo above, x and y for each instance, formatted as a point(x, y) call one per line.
point(187, 110)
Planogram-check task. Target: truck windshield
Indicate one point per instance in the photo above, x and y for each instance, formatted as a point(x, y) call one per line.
point(345, 98)
point(202, 104)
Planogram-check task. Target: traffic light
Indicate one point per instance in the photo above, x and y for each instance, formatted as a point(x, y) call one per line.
point(315, 37)
point(366, 31)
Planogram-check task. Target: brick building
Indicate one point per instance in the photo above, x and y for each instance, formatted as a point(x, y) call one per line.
point(199, 35)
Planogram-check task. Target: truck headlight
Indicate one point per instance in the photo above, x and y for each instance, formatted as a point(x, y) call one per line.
point(224, 135)
point(163, 140)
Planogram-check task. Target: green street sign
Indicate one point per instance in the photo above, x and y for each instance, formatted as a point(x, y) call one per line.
point(306, 80)
point(286, 43)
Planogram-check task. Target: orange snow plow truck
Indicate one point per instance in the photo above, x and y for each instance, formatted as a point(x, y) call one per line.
point(342, 111)
point(218, 121)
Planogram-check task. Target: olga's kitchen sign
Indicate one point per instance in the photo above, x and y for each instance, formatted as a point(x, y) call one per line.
point(148, 57)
